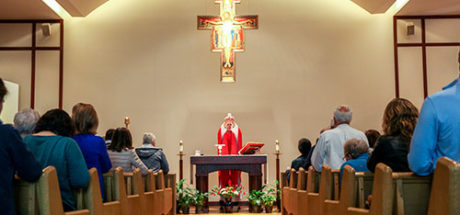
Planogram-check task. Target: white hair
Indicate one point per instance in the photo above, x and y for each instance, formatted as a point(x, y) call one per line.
point(25, 120)
point(149, 138)
point(343, 113)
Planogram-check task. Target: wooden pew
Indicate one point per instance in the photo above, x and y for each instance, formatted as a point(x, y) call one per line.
point(170, 182)
point(152, 200)
point(288, 193)
point(134, 191)
point(445, 191)
point(42, 197)
point(313, 178)
point(284, 186)
point(354, 190)
point(407, 194)
point(300, 205)
point(167, 208)
point(91, 196)
point(315, 201)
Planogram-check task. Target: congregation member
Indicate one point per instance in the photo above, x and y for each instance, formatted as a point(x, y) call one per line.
point(398, 124)
point(121, 152)
point(15, 158)
point(304, 147)
point(93, 147)
point(372, 137)
point(108, 136)
point(25, 120)
point(52, 145)
point(356, 154)
point(329, 149)
point(152, 156)
point(437, 133)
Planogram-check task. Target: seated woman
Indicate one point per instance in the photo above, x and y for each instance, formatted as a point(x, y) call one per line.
point(52, 146)
point(399, 120)
point(93, 147)
point(356, 153)
point(25, 120)
point(121, 152)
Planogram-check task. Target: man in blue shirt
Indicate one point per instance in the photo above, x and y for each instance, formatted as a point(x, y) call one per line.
point(14, 157)
point(437, 133)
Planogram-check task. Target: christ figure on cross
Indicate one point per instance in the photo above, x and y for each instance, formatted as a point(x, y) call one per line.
point(227, 35)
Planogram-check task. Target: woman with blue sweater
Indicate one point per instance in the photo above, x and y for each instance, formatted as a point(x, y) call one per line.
point(93, 147)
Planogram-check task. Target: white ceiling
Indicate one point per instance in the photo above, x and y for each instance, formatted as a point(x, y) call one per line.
point(431, 7)
point(36, 9)
point(26, 9)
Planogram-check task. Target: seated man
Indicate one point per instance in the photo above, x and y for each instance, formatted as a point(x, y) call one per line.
point(153, 157)
point(304, 149)
point(356, 153)
point(15, 158)
point(437, 132)
point(329, 149)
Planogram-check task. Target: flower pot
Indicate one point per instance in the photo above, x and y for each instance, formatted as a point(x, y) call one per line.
point(228, 206)
point(199, 209)
point(268, 208)
point(256, 209)
point(185, 209)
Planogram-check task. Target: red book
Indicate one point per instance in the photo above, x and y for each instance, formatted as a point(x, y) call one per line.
point(251, 148)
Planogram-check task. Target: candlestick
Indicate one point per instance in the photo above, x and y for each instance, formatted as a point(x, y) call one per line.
point(126, 121)
point(181, 147)
point(277, 147)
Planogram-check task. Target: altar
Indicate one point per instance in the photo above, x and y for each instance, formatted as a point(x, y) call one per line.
point(251, 164)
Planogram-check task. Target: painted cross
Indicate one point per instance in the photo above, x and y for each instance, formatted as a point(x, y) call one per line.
point(227, 35)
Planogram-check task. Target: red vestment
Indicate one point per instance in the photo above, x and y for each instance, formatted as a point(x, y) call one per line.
point(232, 141)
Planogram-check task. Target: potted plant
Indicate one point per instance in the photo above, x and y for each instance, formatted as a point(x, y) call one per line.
point(255, 201)
point(198, 200)
point(227, 193)
point(268, 201)
point(184, 197)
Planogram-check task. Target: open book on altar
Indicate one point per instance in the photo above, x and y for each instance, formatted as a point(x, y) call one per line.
point(250, 148)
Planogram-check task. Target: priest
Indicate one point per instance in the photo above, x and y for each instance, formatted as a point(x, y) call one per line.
point(230, 138)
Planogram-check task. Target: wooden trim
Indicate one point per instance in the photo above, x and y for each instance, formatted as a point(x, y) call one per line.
point(32, 79)
point(27, 21)
point(425, 78)
point(33, 50)
point(423, 45)
point(429, 17)
point(427, 44)
point(395, 47)
point(61, 62)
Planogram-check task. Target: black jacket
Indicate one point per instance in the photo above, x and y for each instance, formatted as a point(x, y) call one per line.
point(153, 158)
point(392, 151)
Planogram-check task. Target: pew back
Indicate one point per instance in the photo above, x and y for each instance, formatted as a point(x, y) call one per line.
point(445, 192)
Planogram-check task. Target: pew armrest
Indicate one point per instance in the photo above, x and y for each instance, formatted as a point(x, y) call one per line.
point(357, 211)
point(78, 212)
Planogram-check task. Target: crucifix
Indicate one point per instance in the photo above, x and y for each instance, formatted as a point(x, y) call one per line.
point(227, 35)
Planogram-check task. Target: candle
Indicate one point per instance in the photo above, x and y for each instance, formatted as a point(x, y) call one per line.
point(181, 146)
point(277, 146)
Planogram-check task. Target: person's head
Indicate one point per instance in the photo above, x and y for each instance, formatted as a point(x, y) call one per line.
point(354, 148)
point(85, 118)
point(342, 115)
point(372, 136)
point(3, 92)
point(304, 146)
point(400, 118)
point(229, 121)
point(25, 120)
point(149, 138)
point(56, 121)
point(109, 134)
point(121, 140)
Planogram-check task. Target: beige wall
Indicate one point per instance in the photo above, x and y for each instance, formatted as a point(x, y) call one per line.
point(146, 60)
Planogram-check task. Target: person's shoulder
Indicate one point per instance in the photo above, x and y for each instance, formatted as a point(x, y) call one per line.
point(7, 130)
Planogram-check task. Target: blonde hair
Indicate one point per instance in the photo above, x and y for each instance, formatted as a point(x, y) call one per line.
point(400, 118)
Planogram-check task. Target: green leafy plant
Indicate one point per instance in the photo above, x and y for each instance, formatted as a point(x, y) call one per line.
point(255, 197)
point(185, 195)
point(199, 197)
